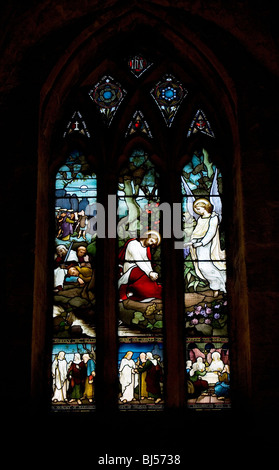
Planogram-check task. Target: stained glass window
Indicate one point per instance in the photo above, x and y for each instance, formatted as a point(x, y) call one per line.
point(206, 309)
point(138, 125)
point(108, 95)
point(200, 124)
point(140, 306)
point(138, 64)
point(76, 125)
point(74, 335)
point(168, 94)
point(140, 283)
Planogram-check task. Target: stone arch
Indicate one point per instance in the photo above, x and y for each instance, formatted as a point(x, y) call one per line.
point(74, 70)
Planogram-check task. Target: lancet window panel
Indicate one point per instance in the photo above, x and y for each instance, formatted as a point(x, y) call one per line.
point(74, 296)
point(140, 305)
point(205, 298)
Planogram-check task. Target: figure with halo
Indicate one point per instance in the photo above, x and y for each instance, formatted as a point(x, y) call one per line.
point(138, 286)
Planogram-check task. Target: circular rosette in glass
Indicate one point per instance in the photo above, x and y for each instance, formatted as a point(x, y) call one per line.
point(108, 95)
point(169, 93)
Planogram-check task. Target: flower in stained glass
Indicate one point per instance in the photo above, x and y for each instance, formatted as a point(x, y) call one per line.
point(76, 124)
point(168, 94)
point(107, 94)
point(200, 124)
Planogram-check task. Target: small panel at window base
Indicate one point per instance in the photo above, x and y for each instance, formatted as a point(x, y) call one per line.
point(73, 373)
point(208, 373)
point(74, 334)
point(140, 307)
point(205, 299)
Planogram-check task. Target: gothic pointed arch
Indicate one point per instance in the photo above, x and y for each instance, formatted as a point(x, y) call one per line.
point(95, 54)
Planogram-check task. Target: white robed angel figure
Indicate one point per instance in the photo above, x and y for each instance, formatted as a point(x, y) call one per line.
point(205, 249)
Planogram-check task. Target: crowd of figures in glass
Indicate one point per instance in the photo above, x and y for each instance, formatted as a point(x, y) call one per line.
point(208, 373)
point(205, 284)
point(73, 375)
point(139, 286)
point(74, 276)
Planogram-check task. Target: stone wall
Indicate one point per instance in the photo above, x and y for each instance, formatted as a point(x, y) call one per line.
point(37, 42)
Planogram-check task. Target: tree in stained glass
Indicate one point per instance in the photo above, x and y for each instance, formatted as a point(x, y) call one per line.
point(140, 304)
point(108, 95)
point(138, 125)
point(168, 95)
point(206, 309)
point(76, 125)
point(138, 64)
point(73, 367)
point(200, 124)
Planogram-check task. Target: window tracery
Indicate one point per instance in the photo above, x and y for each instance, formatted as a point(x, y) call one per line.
point(168, 94)
point(200, 124)
point(107, 94)
point(138, 64)
point(76, 124)
point(138, 125)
